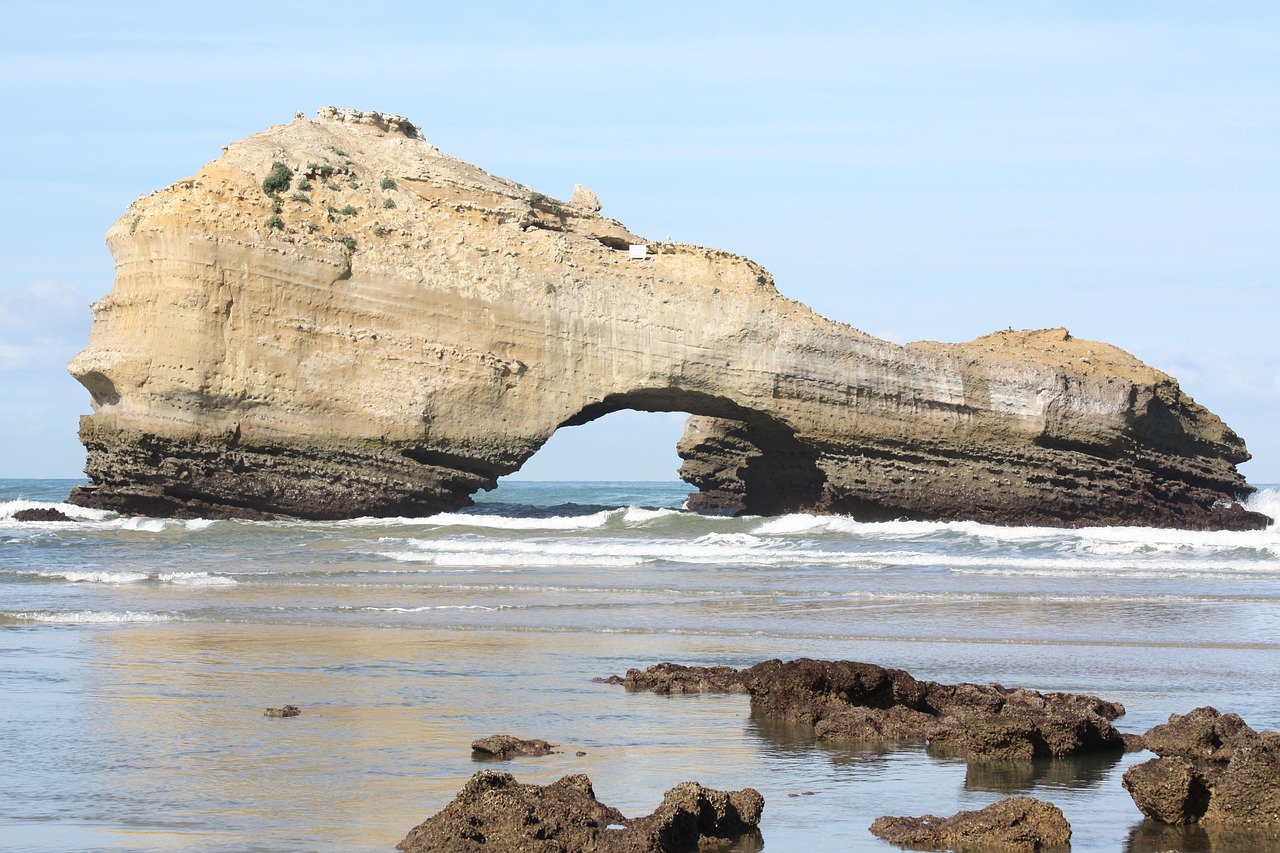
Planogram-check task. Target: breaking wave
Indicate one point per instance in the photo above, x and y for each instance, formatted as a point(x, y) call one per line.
point(86, 617)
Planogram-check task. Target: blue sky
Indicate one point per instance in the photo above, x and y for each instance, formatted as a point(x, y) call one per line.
point(916, 169)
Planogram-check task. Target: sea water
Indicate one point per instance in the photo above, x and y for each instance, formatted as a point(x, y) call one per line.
point(137, 656)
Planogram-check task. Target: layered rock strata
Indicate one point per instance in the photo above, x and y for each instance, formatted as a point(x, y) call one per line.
point(335, 319)
point(846, 700)
point(495, 812)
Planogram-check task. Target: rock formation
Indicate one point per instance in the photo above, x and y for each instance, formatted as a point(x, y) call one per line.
point(1013, 824)
point(41, 513)
point(846, 700)
point(495, 812)
point(1213, 770)
point(335, 319)
point(509, 746)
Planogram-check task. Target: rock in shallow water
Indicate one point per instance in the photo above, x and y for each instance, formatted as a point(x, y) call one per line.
point(1012, 824)
point(495, 812)
point(509, 746)
point(41, 514)
point(847, 700)
point(390, 344)
point(1213, 769)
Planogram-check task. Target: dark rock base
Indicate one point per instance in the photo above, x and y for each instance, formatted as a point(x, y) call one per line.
point(845, 700)
point(1011, 824)
point(142, 474)
point(41, 514)
point(494, 812)
point(739, 468)
point(509, 746)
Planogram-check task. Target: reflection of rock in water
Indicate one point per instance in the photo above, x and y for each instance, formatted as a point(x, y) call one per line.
point(848, 701)
point(793, 740)
point(1016, 777)
point(1151, 837)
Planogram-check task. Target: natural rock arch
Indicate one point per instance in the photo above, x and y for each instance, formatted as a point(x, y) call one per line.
point(390, 329)
point(772, 471)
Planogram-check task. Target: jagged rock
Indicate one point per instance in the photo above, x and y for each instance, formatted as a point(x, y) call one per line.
point(1203, 734)
point(509, 746)
point(286, 711)
point(1012, 824)
point(495, 812)
point(1213, 769)
point(389, 329)
point(584, 198)
point(43, 513)
point(675, 678)
point(1246, 793)
point(1167, 790)
point(847, 700)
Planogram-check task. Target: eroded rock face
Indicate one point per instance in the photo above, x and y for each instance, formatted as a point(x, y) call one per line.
point(847, 700)
point(1012, 824)
point(495, 812)
point(1214, 770)
point(336, 319)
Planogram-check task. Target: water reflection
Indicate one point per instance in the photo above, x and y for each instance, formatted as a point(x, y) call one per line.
point(1020, 777)
point(876, 758)
point(1152, 837)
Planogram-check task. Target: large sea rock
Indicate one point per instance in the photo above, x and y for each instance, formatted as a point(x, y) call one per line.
point(852, 701)
point(372, 327)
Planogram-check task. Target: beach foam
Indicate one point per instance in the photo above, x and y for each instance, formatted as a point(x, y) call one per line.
point(88, 617)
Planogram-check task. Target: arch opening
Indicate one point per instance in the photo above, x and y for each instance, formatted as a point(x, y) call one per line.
point(738, 459)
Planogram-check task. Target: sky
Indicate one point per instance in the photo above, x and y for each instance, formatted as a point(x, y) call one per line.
point(919, 170)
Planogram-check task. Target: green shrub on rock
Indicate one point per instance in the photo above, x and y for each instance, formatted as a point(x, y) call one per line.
point(278, 179)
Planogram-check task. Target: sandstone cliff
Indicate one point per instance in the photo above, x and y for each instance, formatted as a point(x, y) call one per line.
point(336, 319)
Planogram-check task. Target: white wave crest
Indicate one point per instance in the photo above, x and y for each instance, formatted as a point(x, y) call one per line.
point(556, 522)
point(76, 513)
point(114, 577)
point(1266, 501)
point(640, 515)
point(480, 556)
point(97, 576)
point(195, 579)
point(89, 617)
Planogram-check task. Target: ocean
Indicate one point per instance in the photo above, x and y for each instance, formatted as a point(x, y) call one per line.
point(137, 656)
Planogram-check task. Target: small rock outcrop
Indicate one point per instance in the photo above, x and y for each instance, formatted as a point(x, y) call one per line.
point(286, 711)
point(47, 513)
point(334, 319)
point(1213, 770)
point(495, 812)
point(1012, 824)
point(509, 746)
point(846, 700)
point(584, 198)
